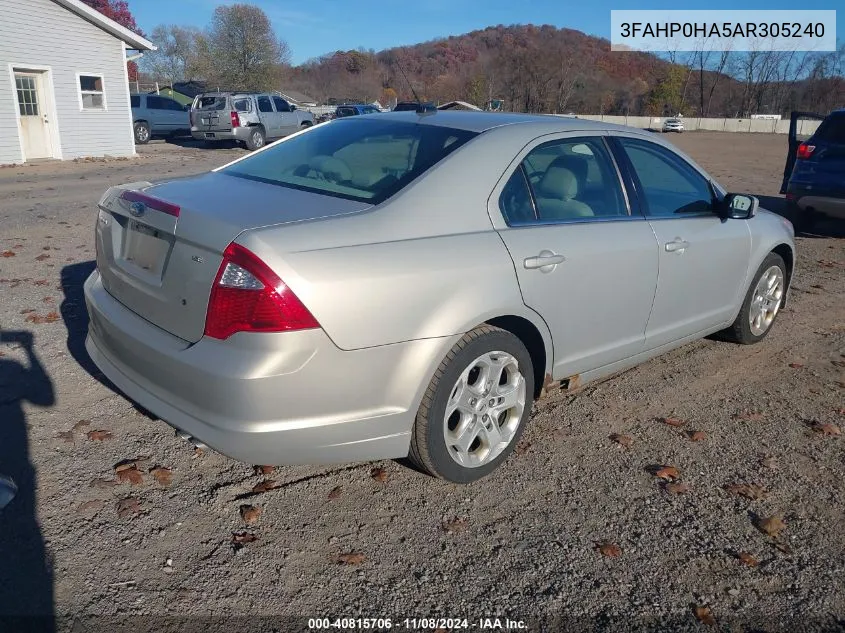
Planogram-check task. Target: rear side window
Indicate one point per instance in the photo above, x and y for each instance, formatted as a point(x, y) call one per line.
point(362, 160)
point(264, 104)
point(210, 103)
point(135, 101)
point(832, 129)
point(243, 105)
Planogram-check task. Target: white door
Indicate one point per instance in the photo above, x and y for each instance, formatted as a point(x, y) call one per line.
point(583, 262)
point(703, 258)
point(34, 128)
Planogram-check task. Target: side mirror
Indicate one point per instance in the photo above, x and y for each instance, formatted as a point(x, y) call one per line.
point(292, 107)
point(740, 206)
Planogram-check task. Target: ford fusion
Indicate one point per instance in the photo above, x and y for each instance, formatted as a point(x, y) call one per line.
point(409, 284)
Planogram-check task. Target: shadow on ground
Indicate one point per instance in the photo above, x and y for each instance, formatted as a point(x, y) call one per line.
point(26, 576)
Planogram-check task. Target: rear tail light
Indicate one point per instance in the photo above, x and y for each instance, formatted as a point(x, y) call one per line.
point(790, 196)
point(249, 297)
point(151, 202)
point(805, 151)
point(236, 120)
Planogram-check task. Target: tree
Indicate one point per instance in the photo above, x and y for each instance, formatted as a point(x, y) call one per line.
point(240, 51)
point(175, 59)
point(118, 10)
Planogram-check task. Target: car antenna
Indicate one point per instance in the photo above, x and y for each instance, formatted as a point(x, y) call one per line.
point(422, 108)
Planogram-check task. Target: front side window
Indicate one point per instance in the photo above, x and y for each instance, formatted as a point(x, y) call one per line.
point(156, 103)
point(91, 93)
point(669, 185)
point(368, 161)
point(281, 104)
point(264, 104)
point(571, 179)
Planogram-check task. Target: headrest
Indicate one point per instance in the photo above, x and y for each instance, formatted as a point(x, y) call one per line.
point(559, 182)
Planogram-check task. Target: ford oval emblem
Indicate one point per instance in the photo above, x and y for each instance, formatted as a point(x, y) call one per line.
point(137, 209)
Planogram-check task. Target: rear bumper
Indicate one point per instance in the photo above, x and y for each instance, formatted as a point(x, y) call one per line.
point(236, 134)
point(830, 206)
point(289, 398)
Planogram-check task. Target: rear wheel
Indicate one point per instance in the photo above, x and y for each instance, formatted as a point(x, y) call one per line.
point(142, 132)
point(475, 408)
point(762, 303)
point(306, 124)
point(256, 139)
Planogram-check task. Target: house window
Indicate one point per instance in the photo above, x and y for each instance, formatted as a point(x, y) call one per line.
point(91, 94)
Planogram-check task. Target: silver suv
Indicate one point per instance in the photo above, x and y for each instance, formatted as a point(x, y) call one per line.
point(247, 117)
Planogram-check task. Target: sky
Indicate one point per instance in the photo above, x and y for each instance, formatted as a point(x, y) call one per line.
point(315, 27)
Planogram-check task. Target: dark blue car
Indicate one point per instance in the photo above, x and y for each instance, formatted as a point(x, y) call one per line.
point(814, 176)
point(355, 110)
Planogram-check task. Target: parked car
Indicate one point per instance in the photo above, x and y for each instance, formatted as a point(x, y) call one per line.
point(249, 118)
point(407, 285)
point(355, 110)
point(413, 106)
point(154, 115)
point(814, 175)
point(673, 125)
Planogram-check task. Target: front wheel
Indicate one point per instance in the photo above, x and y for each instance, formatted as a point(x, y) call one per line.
point(475, 408)
point(762, 303)
point(142, 132)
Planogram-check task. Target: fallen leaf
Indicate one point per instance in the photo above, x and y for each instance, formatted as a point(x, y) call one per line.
point(676, 422)
point(95, 505)
point(40, 282)
point(335, 492)
point(131, 475)
point(42, 257)
point(840, 411)
point(250, 514)
point(27, 311)
point(350, 558)
point(747, 559)
point(781, 546)
point(754, 492)
point(99, 436)
point(264, 470)
point(623, 440)
point(522, 447)
point(67, 436)
point(697, 436)
point(704, 615)
point(796, 365)
point(677, 488)
point(132, 462)
point(80, 425)
point(50, 317)
point(769, 461)
point(606, 548)
point(162, 475)
point(239, 539)
point(749, 415)
point(456, 525)
point(827, 428)
point(817, 286)
point(103, 483)
point(379, 474)
point(128, 507)
point(771, 525)
point(668, 473)
point(8, 254)
point(264, 486)
point(838, 363)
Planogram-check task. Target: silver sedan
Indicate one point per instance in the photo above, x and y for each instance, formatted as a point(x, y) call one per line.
point(408, 284)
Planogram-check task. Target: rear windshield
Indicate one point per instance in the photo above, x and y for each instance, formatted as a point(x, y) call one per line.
point(832, 129)
point(210, 103)
point(364, 160)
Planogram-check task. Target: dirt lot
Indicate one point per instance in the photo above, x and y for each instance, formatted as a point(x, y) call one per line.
point(521, 543)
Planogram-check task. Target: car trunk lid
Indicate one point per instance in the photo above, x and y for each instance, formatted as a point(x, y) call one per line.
point(159, 247)
point(212, 114)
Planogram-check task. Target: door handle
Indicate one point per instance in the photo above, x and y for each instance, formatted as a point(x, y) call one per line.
point(676, 246)
point(545, 261)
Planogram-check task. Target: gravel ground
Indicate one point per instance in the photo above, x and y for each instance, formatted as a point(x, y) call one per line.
point(533, 541)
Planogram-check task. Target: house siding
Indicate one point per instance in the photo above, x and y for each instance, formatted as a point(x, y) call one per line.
point(42, 33)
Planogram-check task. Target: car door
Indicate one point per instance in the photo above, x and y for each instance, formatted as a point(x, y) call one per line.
point(179, 119)
point(268, 117)
point(582, 260)
point(801, 127)
point(288, 121)
point(161, 122)
point(703, 258)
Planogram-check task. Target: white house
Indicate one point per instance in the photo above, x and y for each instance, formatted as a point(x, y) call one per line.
point(64, 90)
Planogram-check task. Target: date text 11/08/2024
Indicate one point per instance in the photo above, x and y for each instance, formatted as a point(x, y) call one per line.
point(416, 624)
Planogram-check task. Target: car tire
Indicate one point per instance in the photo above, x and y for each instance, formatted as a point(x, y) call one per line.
point(256, 139)
point(142, 132)
point(743, 329)
point(484, 353)
point(306, 124)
